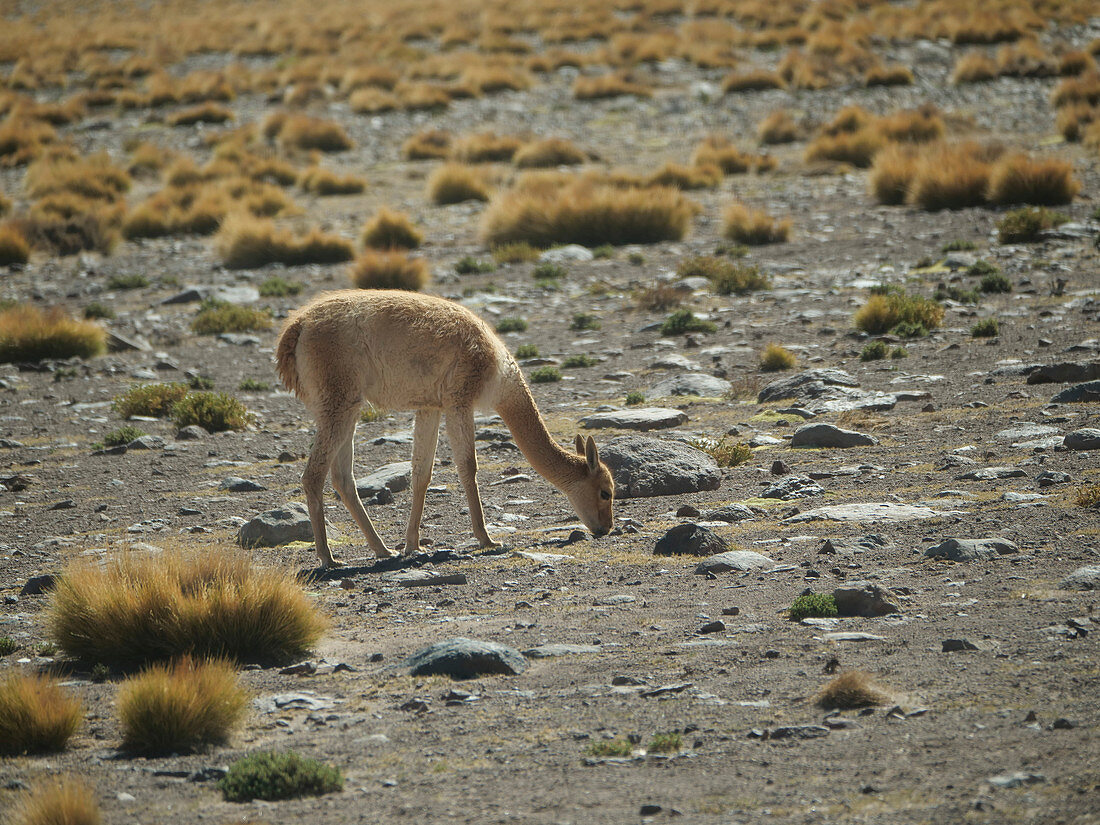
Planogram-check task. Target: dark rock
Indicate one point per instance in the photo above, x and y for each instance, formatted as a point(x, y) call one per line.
point(971, 549)
point(190, 295)
point(1083, 578)
point(122, 343)
point(235, 484)
point(393, 477)
point(717, 626)
point(1087, 438)
point(37, 585)
point(799, 732)
point(808, 384)
point(642, 420)
point(954, 645)
point(865, 599)
point(644, 467)
point(826, 435)
point(1088, 391)
point(687, 511)
point(779, 468)
point(1051, 477)
point(690, 540)
point(146, 442)
point(277, 527)
point(1069, 372)
point(730, 513)
point(793, 487)
point(462, 658)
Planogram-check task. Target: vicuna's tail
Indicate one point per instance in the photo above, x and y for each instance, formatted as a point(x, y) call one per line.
point(285, 361)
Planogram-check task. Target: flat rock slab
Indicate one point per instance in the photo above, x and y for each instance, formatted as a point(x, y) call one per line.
point(1069, 372)
point(865, 599)
point(734, 560)
point(1083, 578)
point(542, 558)
point(394, 477)
point(566, 254)
point(846, 400)
point(793, 487)
point(277, 527)
point(828, 435)
point(462, 658)
point(646, 418)
point(645, 467)
point(423, 578)
point(730, 513)
point(852, 636)
point(808, 384)
point(971, 549)
point(692, 383)
point(550, 651)
point(992, 474)
point(690, 540)
point(881, 511)
point(235, 484)
point(1087, 438)
point(1025, 432)
point(1088, 391)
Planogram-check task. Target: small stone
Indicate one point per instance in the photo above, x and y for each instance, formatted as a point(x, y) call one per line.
point(993, 473)
point(192, 432)
point(691, 383)
point(779, 468)
point(717, 626)
point(687, 511)
point(799, 732)
point(566, 254)
point(1052, 477)
point(393, 478)
point(235, 484)
point(1083, 578)
point(827, 435)
point(67, 504)
point(1015, 780)
point(792, 487)
point(277, 527)
point(730, 513)
point(954, 645)
point(865, 599)
point(37, 585)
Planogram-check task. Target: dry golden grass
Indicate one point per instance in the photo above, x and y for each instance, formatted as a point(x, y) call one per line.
point(600, 87)
point(849, 120)
point(752, 81)
point(382, 269)
point(388, 229)
point(951, 177)
point(23, 139)
point(93, 177)
point(486, 148)
point(1025, 59)
point(882, 313)
point(1082, 89)
point(318, 181)
point(28, 333)
point(245, 242)
point(455, 183)
point(778, 127)
point(178, 707)
point(1074, 119)
point(549, 153)
point(147, 158)
point(429, 145)
point(586, 213)
point(5, 204)
point(14, 248)
point(373, 76)
point(1076, 62)
point(422, 96)
point(36, 714)
point(1016, 178)
point(922, 125)
point(857, 148)
point(140, 608)
point(208, 112)
point(892, 173)
point(753, 226)
point(678, 176)
point(776, 358)
point(295, 131)
point(491, 79)
point(719, 151)
point(61, 801)
point(895, 75)
point(372, 101)
point(854, 689)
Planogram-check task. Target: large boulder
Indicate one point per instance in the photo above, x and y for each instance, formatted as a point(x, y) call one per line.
point(644, 467)
point(277, 527)
point(1088, 391)
point(462, 658)
point(1068, 372)
point(828, 435)
point(691, 383)
point(971, 549)
point(806, 385)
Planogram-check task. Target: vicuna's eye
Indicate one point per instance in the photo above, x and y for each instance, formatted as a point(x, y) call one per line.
point(606, 496)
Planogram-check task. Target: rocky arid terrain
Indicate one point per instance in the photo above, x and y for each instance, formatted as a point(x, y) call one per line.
point(940, 482)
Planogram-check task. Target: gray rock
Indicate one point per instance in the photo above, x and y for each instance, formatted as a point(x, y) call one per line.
point(971, 549)
point(827, 435)
point(1070, 372)
point(190, 295)
point(1051, 477)
point(394, 477)
point(646, 418)
point(235, 484)
point(852, 636)
point(955, 645)
point(690, 540)
point(277, 527)
point(1024, 432)
point(793, 487)
point(566, 254)
point(550, 651)
point(122, 343)
point(739, 560)
point(462, 658)
point(1088, 391)
point(730, 513)
point(1016, 779)
point(644, 467)
point(874, 512)
point(1087, 438)
point(192, 432)
point(834, 547)
point(846, 400)
point(691, 383)
point(866, 599)
point(423, 578)
point(993, 473)
point(674, 361)
point(237, 294)
point(1083, 578)
point(146, 442)
point(799, 732)
point(239, 339)
point(808, 384)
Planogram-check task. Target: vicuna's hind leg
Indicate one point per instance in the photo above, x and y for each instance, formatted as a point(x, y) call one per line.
point(343, 481)
point(425, 436)
point(460, 431)
point(332, 432)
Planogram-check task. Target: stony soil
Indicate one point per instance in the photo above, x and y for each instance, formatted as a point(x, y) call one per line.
point(519, 752)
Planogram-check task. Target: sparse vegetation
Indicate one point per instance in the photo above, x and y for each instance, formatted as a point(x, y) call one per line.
point(36, 714)
point(278, 287)
point(391, 230)
point(216, 317)
point(578, 361)
point(545, 375)
point(215, 412)
point(666, 743)
point(14, 248)
point(515, 252)
point(457, 182)
point(274, 775)
point(683, 321)
point(985, 328)
point(816, 605)
point(155, 400)
point(527, 351)
point(389, 269)
point(753, 226)
point(584, 321)
point(1027, 225)
point(898, 311)
point(511, 325)
point(634, 398)
point(995, 282)
point(473, 266)
point(775, 358)
point(30, 334)
point(854, 689)
point(252, 385)
point(725, 451)
point(61, 801)
point(123, 435)
point(1088, 495)
point(615, 748)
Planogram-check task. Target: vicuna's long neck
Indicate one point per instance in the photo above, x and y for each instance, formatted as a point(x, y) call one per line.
point(554, 463)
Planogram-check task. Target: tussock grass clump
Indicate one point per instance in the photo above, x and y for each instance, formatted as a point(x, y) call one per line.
point(678, 176)
point(28, 333)
point(776, 358)
point(921, 125)
point(951, 177)
point(892, 173)
point(550, 152)
point(819, 605)
point(579, 361)
point(326, 182)
point(1017, 178)
point(63, 801)
point(666, 743)
point(208, 112)
point(276, 287)
point(1082, 89)
point(725, 451)
point(216, 317)
point(587, 214)
point(1074, 120)
point(14, 248)
point(123, 435)
point(154, 400)
point(142, 608)
point(486, 148)
point(22, 139)
point(372, 101)
point(391, 230)
point(36, 714)
point(515, 252)
point(883, 313)
point(245, 242)
point(274, 775)
point(985, 328)
point(753, 226)
point(874, 351)
point(1088, 495)
point(94, 177)
point(894, 75)
point(716, 150)
point(995, 282)
point(974, 67)
point(455, 183)
point(757, 80)
point(1027, 225)
point(215, 412)
point(511, 325)
point(180, 706)
point(659, 297)
point(778, 127)
point(389, 269)
point(857, 148)
point(605, 86)
point(611, 748)
point(429, 145)
point(728, 278)
point(683, 321)
point(305, 133)
point(854, 689)
point(584, 321)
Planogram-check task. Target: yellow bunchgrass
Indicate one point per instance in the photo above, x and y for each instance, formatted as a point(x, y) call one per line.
point(28, 333)
point(180, 706)
point(61, 801)
point(245, 242)
point(141, 608)
point(586, 213)
point(457, 182)
point(305, 132)
point(778, 127)
point(320, 181)
point(388, 269)
point(608, 85)
point(428, 145)
point(974, 67)
point(388, 229)
point(882, 313)
point(854, 689)
point(752, 81)
point(92, 177)
point(753, 227)
point(951, 176)
point(892, 173)
point(776, 358)
point(1016, 178)
point(208, 112)
point(486, 147)
point(36, 714)
point(549, 153)
point(14, 248)
point(679, 176)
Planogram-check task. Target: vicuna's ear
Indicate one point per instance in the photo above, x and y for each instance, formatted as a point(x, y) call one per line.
point(591, 454)
point(579, 444)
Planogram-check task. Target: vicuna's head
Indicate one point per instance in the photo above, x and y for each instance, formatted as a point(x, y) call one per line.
point(594, 492)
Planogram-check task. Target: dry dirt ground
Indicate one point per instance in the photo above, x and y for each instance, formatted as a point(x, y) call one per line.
point(519, 751)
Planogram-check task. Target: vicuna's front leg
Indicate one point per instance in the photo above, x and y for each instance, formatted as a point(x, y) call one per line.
point(460, 431)
point(425, 436)
point(332, 432)
point(343, 479)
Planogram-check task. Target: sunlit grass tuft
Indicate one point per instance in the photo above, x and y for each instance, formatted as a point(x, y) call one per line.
point(61, 801)
point(389, 269)
point(28, 333)
point(36, 714)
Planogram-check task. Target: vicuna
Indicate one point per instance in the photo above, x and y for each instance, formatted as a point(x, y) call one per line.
point(405, 351)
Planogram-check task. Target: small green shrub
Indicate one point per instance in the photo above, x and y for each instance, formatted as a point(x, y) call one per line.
point(200, 382)
point(982, 267)
point(134, 281)
point(610, 747)
point(123, 435)
point(995, 283)
point(1026, 225)
point(584, 320)
point(36, 714)
point(96, 310)
point(511, 325)
point(897, 353)
point(986, 328)
point(276, 287)
point(725, 451)
point(545, 375)
point(154, 400)
point(215, 317)
point(579, 360)
point(274, 775)
point(958, 245)
point(213, 411)
point(1088, 495)
point(252, 385)
point(666, 743)
point(371, 413)
point(8, 645)
point(954, 293)
point(636, 258)
point(898, 312)
point(547, 270)
point(603, 251)
point(527, 351)
point(634, 398)
point(776, 358)
point(817, 605)
point(470, 265)
point(874, 351)
point(728, 278)
point(517, 252)
point(683, 321)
